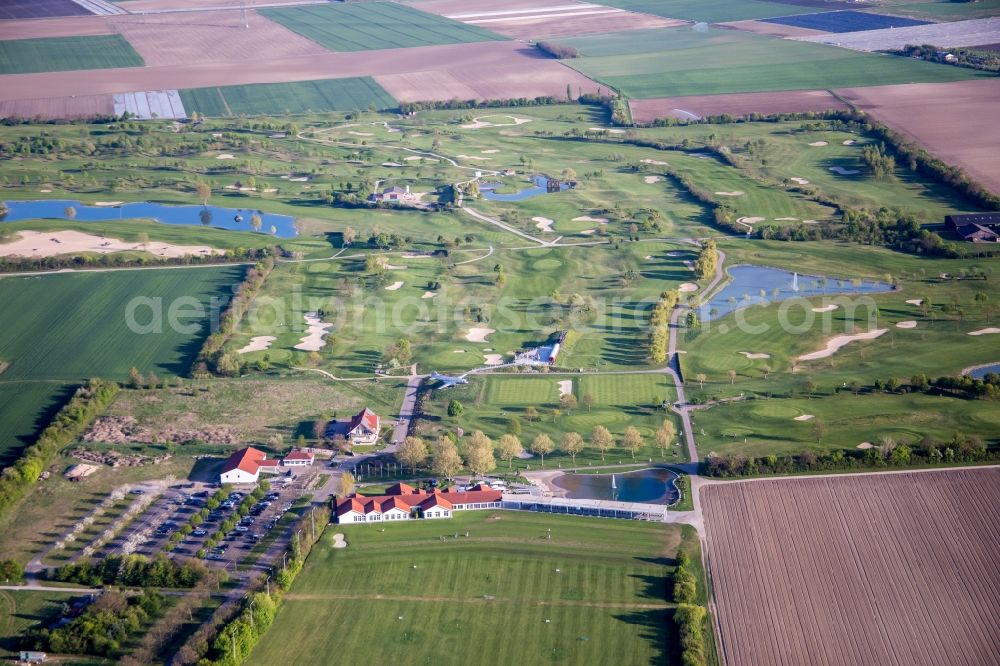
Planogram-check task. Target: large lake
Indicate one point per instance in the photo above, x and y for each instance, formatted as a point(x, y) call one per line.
point(649, 486)
point(209, 216)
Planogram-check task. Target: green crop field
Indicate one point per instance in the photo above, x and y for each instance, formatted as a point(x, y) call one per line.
point(741, 62)
point(58, 54)
point(375, 25)
point(22, 609)
point(593, 593)
point(712, 11)
point(318, 96)
point(943, 10)
point(62, 329)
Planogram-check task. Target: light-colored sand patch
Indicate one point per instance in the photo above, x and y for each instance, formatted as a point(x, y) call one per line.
point(391, 164)
point(491, 151)
point(826, 308)
point(752, 356)
point(225, 156)
point(108, 203)
point(649, 257)
point(300, 179)
point(543, 223)
point(54, 243)
point(315, 333)
point(339, 541)
point(479, 123)
point(751, 220)
point(834, 344)
point(818, 144)
point(429, 294)
point(800, 181)
point(916, 301)
point(525, 455)
point(985, 331)
point(734, 193)
point(864, 446)
point(565, 387)
point(45, 191)
point(394, 267)
point(810, 222)
point(473, 157)
point(656, 162)
point(689, 264)
point(478, 334)
point(588, 218)
point(415, 255)
point(687, 287)
point(412, 158)
point(805, 417)
point(649, 180)
point(588, 232)
point(785, 219)
point(906, 324)
point(257, 343)
point(609, 130)
point(457, 351)
point(394, 286)
point(844, 172)
point(268, 190)
point(360, 133)
point(849, 142)
point(493, 359)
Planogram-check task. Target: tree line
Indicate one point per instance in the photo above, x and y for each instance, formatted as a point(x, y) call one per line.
point(17, 264)
point(689, 616)
point(131, 571)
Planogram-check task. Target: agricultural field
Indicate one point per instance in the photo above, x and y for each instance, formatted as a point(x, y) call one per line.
point(288, 98)
point(710, 11)
point(595, 591)
point(377, 25)
point(824, 570)
point(59, 54)
point(958, 33)
point(33, 9)
point(646, 111)
point(942, 10)
point(844, 21)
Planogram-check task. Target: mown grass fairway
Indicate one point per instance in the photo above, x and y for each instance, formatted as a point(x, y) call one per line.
point(593, 593)
point(299, 97)
point(376, 25)
point(22, 609)
point(57, 54)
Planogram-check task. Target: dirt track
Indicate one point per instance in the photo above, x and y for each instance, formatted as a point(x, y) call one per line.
point(894, 569)
point(954, 121)
point(499, 69)
point(738, 104)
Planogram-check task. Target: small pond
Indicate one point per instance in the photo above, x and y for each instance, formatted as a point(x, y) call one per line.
point(984, 370)
point(541, 187)
point(649, 486)
point(747, 283)
point(209, 216)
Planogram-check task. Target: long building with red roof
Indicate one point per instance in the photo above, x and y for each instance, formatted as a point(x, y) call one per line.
point(404, 502)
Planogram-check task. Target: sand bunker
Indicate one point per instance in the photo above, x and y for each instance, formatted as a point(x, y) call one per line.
point(805, 417)
point(734, 193)
point(394, 267)
point(225, 156)
point(844, 172)
point(652, 179)
point(817, 144)
point(750, 220)
point(916, 301)
point(588, 218)
point(491, 151)
point(339, 541)
point(588, 232)
point(478, 334)
point(394, 286)
point(473, 157)
point(835, 343)
point(300, 179)
point(493, 359)
point(687, 287)
point(985, 331)
point(479, 123)
point(752, 356)
point(543, 223)
point(826, 308)
point(565, 387)
point(906, 324)
point(54, 243)
point(800, 181)
point(609, 130)
point(429, 294)
point(360, 133)
point(865, 446)
point(315, 332)
point(45, 191)
point(657, 162)
point(108, 203)
point(391, 164)
point(849, 142)
point(257, 343)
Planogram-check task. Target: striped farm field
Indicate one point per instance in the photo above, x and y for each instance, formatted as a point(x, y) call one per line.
point(862, 569)
point(711, 11)
point(59, 54)
point(318, 96)
point(627, 390)
point(592, 593)
point(521, 391)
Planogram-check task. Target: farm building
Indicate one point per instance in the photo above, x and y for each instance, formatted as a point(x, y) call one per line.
point(395, 194)
point(362, 428)
point(403, 502)
point(975, 227)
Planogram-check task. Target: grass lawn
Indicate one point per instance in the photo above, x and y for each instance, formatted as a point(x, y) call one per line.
point(298, 97)
point(22, 609)
point(711, 11)
point(376, 25)
point(57, 54)
point(404, 590)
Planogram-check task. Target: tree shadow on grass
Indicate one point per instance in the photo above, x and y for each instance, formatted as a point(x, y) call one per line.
point(656, 627)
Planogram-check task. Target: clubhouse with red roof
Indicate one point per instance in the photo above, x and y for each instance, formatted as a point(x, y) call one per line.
point(404, 502)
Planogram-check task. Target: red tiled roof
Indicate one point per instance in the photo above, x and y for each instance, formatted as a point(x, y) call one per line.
point(417, 498)
point(247, 459)
point(474, 496)
point(299, 454)
point(349, 504)
point(401, 489)
point(395, 502)
point(268, 463)
point(366, 416)
point(435, 500)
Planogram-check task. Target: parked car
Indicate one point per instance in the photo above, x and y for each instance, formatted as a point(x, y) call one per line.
point(199, 532)
point(242, 528)
point(137, 491)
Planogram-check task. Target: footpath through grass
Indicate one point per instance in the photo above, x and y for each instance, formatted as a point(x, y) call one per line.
point(59, 54)
point(593, 593)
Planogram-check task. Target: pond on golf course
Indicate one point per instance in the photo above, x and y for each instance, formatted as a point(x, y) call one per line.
point(541, 187)
point(981, 371)
point(756, 285)
point(234, 219)
point(649, 486)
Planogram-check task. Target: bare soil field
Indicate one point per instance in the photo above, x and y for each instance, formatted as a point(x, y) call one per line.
point(81, 106)
point(79, 26)
point(737, 104)
point(144, 6)
point(183, 38)
point(954, 121)
point(498, 69)
point(956, 33)
point(894, 569)
point(772, 29)
point(21, 9)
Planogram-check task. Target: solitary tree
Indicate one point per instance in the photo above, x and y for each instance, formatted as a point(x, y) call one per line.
point(346, 483)
point(765, 370)
point(445, 460)
point(509, 448)
point(69, 212)
point(135, 378)
point(349, 235)
point(602, 440)
point(632, 441)
point(701, 378)
point(732, 376)
point(455, 408)
point(531, 413)
point(572, 444)
point(588, 401)
point(256, 222)
point(204, 192)
point(412, 452)
point(567, 402)
point(665, 435)
point(541, 445)
point(479, 454)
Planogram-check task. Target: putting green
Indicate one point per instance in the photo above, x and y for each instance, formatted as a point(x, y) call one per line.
point(547, 264)
point(318, 267)
point(776, 410)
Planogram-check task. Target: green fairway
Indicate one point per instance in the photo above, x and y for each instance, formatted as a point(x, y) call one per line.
point(591, 593)
point(23, 609)
point(712, 11)
point(62, 329)
point(57, 54)
point(741, 62)
point(625, 391)
point(375, 25)
point(299, 97)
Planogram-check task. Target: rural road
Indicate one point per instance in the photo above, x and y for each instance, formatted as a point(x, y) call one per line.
point(406, 411)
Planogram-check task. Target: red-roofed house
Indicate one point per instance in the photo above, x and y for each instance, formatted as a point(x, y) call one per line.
point(362, 428)
point(298, 458)
point(242, 466)
point(403, 502)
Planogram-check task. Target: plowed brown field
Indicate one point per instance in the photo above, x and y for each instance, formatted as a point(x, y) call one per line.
point(737, 104)
point(77, 26)
point(83, 106)
point(888, 569)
